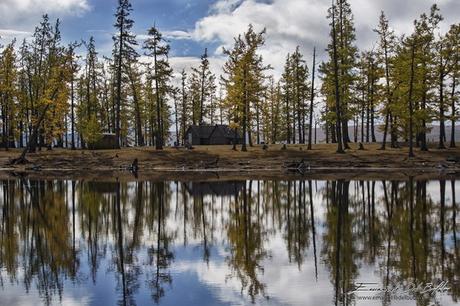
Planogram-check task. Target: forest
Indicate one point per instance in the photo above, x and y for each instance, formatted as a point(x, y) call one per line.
point(54, 95)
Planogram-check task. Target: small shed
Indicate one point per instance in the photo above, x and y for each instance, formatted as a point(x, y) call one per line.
point(211, 135)
point(108, 141)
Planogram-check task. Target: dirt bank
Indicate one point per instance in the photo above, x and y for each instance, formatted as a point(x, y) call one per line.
point(222, 159)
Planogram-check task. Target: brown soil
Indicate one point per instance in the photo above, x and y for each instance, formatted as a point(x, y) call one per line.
point(222, 159)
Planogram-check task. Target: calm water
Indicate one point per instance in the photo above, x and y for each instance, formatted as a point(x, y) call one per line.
point(229, 243)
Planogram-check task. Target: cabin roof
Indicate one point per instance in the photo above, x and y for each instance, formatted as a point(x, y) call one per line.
point(207, 131)
point(202, 131)
point(226, 131)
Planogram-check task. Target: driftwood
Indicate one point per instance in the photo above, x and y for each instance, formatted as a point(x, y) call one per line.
point(300, 166)
point(453, 159)
point(34, 168)
point(208, 165)
point(134, 167)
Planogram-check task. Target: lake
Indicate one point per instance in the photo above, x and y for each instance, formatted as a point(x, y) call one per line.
point(271, 242)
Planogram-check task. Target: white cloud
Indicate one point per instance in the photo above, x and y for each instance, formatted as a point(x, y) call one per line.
point(288, 22)
point(12, 11)
point(11, 34)
point(8, 32)
point(172, 35)
point(303, 22)
point(177, 35)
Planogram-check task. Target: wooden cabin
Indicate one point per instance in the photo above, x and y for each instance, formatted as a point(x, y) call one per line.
point(211, 135)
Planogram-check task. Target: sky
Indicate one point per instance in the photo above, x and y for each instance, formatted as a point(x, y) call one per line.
point(192, 25)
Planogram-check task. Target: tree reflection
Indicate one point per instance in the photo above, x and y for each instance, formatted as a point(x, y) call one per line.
point(246, 238)
point(160, 256)
point(55, 232)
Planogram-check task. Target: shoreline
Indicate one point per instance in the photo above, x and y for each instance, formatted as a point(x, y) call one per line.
point(208, 160)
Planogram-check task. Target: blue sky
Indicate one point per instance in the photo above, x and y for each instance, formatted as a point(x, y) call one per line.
point(172, 15)
point(192, 25)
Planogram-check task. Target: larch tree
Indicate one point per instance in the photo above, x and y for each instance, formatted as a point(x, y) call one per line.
point(134, 76)
point(157, 49)
point(205, 81)
point(387, 42)
point(47, 87)
point(337, 88)
point(89, 126)
point(124, 52)
point(8, 94)
point(453, 47)
point(74, 68)
point(411, 96)
point(184, 109)
point(296, 90)
point(286, 81)
point(346, 52)
point(244, 77)
point(425, 57)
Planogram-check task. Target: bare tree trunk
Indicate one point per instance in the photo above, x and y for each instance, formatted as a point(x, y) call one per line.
point(159, 137)
point(312, 99)
point(453, 115)
point(337, 88)
point(119, 76)
point(442, 128)
point(245, 114)
point(411, 106)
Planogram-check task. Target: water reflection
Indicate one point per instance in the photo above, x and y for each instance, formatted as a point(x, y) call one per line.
point(225, 243)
